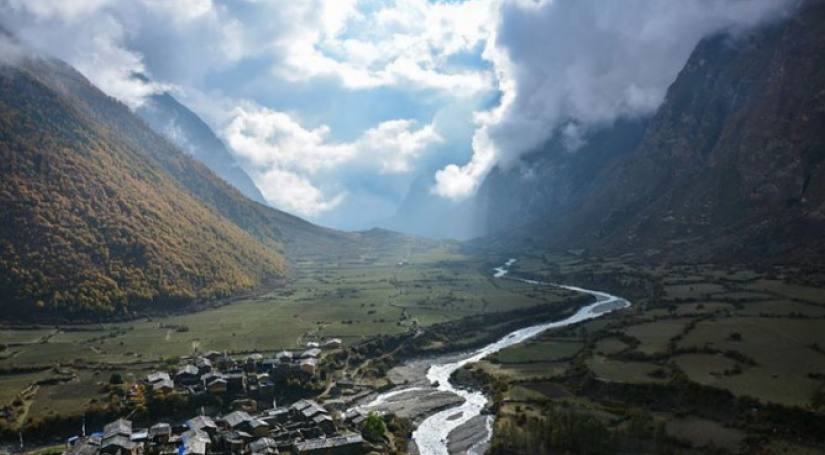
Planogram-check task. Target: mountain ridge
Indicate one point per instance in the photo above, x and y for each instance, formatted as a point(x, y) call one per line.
point(730, 166)
point(90, 226)
point(168, 117)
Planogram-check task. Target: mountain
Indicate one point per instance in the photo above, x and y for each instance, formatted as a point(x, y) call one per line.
point(287, 233)
point(168, 117)
point(93, 225)
point(553, 181)
point(418, 209)
point(101, 215)
point(730, 166)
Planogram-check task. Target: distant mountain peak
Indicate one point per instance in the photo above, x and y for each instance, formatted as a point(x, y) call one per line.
point(170, 118)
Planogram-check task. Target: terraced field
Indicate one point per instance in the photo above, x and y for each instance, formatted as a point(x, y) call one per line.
point(754, 333)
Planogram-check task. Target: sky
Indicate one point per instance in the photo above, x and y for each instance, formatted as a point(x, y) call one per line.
point(339, 109)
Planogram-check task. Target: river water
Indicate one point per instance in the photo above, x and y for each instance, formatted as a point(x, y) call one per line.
point(431, 435)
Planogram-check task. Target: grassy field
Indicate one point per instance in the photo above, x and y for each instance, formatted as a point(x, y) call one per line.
point(14, 337)
point(774, 323)
point(351, 302)
point(14, 384)
point(76, 393)
point(389, 291)
point(610, 345)
point(784, 362)
point(540, 350)
point(754, 333)
point(705, 433)
point(655, 336)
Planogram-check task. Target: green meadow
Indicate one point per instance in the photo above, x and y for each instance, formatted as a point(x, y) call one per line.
point(391, 290)
point(755, 333)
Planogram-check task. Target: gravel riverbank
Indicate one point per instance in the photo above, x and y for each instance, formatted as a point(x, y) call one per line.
point(450, 420)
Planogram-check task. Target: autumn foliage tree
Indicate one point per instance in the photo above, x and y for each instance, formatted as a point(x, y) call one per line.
point(91, 223)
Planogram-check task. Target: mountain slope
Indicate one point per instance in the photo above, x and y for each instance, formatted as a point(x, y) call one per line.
point(731, 165)
point(91, 225)
point(553, 181)
point(183, 127)
point(297, 238)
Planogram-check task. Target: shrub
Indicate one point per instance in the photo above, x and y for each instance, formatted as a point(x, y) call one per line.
point(374, 428)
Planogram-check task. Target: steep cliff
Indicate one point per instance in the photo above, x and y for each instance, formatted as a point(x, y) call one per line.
point(730, 166)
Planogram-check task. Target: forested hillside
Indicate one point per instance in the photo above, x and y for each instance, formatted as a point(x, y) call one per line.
point(276, 229)
point(89, 225)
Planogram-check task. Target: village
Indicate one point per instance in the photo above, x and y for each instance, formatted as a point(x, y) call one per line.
point(253, 422)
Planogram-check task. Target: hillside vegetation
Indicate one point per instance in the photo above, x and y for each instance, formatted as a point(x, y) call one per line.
point(299, 239)
point(92, 224)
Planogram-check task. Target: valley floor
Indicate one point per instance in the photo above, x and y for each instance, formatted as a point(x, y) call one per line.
point(725, 359)
point(62, 371)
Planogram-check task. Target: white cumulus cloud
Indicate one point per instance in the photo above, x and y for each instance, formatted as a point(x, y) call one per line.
point(403, 43)
point(299, 169)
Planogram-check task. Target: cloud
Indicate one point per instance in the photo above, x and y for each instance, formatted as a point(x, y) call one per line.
point(109, 41)
point(402, 43)
point(294, 193)
point(182, 10)
point(11, 52)
point(457, 182)
point(335, 106)
point(302, 170)
point(112, 67)
point(267, 138)
point(395, 146)
point(569, 65)
point(405, 59)
point(66, 10)
point(86, 35)
point(329, 106)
